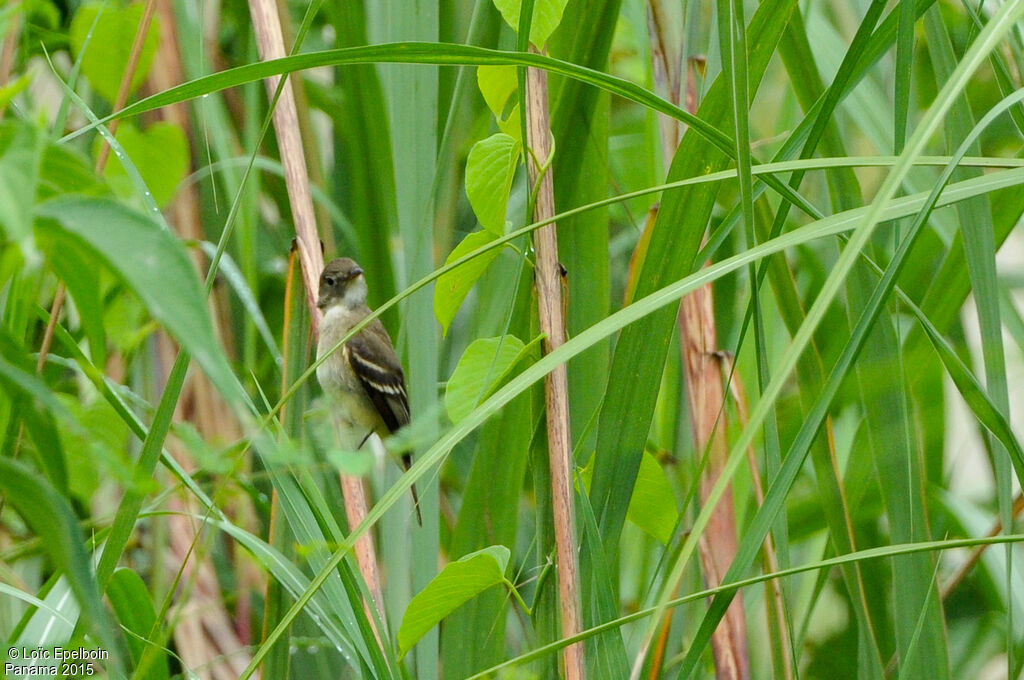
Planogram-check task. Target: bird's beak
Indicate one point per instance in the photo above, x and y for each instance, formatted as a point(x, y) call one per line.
point(357, 271)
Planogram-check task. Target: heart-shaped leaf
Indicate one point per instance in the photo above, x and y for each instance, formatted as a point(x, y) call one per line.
point(453, 287)
point(457, 583)
point(159, 153)
point(547, 14)
point(482, 367)
point(110, 44)
point(499, 85)
point(490, 169)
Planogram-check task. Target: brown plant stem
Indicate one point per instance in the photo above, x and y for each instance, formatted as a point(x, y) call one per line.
point(548, 280)
point(126, 81)
point(206, 634)
point(286, 125)
point(775, 603)
point(698, 339)
point(706, 398)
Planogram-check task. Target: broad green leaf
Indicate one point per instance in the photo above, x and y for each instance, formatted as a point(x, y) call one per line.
point(653, 505)
point(110, 45)
point(154, 265)
point(160, 154)
point(67, 171)
point(453, 287)
point(490, 169)
point(498, 84)
point(78, 269)
point(133, 606)
point(546, 16)
point(20, 157)
point(457, 583)
point(482, 367)
point(100, 449)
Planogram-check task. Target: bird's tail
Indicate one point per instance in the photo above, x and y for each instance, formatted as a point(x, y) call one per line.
point(407, 463)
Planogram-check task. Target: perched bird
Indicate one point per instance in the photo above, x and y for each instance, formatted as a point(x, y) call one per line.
point(364, 377)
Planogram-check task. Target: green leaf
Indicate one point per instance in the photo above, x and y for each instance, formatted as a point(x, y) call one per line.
point(34, 403)
point(160, 154)
point(133, 606)
point(457, 583)
point(78, 269)
point(66, 171)
point(653, 505)
point(11, 90)
point(53, 522)
point(100, 447)
point(498, 84)
point(110, 45)
point(20, 154)
point(546, 16)
point(482, 367)
point(154, 265)
point(490, 169)
point(453, 287)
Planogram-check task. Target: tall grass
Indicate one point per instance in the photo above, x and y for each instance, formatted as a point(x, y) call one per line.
point(831, 429)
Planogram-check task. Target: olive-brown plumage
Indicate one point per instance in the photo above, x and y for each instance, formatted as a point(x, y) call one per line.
point(364, 377)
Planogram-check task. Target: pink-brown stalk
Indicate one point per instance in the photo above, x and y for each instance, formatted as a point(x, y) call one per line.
point(556, 386)
point(286, 125)
point(702, 375)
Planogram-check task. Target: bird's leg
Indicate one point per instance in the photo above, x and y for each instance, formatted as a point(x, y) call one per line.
point(364, 440)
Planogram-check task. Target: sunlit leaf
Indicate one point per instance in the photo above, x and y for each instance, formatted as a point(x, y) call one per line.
point(482, 366)
point(490, 169)
point(546, 16)
point(110, 44)
point(498, 84)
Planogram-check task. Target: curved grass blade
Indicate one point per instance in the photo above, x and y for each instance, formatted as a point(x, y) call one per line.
point(671, 293)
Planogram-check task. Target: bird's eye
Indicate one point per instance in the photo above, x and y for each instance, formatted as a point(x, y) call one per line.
point(330, 280)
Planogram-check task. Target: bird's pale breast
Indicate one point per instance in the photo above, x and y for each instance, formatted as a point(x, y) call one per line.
point(335, 375)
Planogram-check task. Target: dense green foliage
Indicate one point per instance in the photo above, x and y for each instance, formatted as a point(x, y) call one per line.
point(846, 176)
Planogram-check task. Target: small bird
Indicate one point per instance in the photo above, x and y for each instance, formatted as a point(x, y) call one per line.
point(364, 377)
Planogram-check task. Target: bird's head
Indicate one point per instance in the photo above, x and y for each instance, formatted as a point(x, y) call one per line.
point(342, 282)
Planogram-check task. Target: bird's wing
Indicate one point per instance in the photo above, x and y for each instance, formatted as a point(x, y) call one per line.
point(374, 361)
